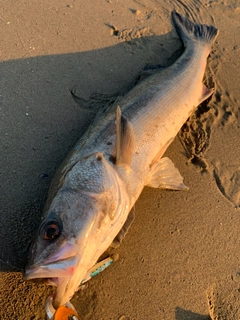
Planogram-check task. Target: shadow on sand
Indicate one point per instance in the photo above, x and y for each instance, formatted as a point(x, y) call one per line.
point(181, 314)
point(41, 123)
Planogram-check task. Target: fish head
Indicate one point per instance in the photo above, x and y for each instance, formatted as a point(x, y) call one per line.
point(82, 220)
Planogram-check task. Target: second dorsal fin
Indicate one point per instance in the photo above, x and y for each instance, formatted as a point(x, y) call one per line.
point(124, 139)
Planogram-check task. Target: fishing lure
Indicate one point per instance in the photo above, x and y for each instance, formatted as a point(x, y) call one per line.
point(68, 312)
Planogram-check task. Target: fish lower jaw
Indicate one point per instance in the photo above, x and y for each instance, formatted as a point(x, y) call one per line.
point(51, 281)
point(57, 269)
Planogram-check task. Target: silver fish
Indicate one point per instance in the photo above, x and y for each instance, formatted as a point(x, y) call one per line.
point(121, 152)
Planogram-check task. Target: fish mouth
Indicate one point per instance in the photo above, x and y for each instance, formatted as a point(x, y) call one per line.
point(52, 271)
point(58, 273)
point(60, 264)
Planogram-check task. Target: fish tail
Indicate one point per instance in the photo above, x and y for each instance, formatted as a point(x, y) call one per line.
point(189, 31)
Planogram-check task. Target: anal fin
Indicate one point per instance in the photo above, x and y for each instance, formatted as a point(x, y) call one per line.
point(206, 93)
point(165, 175)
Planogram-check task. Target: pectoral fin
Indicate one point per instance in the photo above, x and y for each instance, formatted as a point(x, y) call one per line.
point(166, 176)
point(124, 139)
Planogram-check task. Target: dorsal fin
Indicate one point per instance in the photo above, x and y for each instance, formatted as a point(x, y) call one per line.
point(124, 139)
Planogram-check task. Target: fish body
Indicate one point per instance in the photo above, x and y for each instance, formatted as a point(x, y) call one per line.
point(121, 152)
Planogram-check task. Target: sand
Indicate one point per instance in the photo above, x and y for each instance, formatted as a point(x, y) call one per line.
point(180, 259)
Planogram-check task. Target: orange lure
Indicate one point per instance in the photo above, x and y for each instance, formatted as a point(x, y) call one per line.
point(65, 313)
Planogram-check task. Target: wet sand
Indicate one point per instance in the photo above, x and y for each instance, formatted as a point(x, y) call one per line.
point(180, 259)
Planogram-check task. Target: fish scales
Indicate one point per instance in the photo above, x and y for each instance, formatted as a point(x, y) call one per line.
point(156, 106)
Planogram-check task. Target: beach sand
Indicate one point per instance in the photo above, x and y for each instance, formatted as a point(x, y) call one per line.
point(180, 259)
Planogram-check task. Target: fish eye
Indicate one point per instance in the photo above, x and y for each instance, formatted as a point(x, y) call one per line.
point(51, 229)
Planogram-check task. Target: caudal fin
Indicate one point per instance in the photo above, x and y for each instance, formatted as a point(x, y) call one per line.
point(189, 31)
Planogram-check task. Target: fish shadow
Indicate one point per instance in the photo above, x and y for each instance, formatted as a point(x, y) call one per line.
point(181, 314)
point(42, 123)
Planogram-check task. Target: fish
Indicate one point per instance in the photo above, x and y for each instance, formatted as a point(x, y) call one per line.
point(121, 152)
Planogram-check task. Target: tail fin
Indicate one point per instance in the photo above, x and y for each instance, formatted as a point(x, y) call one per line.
point(189, 31)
